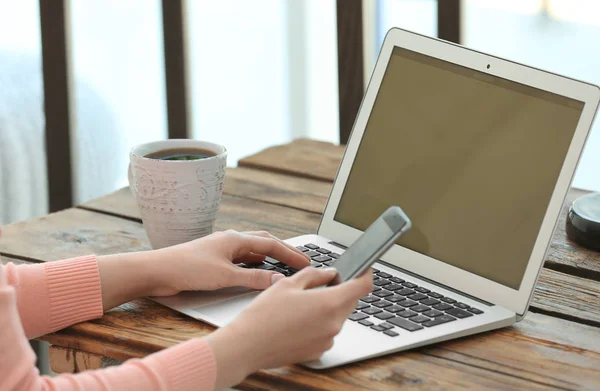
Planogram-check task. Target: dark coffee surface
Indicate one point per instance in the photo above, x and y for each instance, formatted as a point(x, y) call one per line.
point(181, 154)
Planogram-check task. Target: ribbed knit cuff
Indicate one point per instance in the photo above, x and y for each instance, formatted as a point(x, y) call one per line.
point(74, 291)
point(188, 366)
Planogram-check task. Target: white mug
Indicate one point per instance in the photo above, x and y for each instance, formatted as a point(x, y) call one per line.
point(178, 199)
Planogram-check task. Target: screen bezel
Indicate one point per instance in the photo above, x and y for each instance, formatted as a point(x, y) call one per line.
point(454, 277)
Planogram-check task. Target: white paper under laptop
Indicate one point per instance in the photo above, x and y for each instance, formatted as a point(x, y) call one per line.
point(480, 153)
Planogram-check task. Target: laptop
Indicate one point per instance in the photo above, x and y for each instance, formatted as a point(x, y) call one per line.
point(480, 153)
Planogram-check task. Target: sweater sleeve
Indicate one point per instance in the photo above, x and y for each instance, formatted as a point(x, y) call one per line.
point(188, 366)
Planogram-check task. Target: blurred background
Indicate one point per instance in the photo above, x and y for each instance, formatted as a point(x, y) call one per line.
point(255, 73)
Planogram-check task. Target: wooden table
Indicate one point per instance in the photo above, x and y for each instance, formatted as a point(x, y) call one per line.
point(283, 190)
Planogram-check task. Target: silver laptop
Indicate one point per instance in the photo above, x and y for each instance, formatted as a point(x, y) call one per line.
point(479, 152)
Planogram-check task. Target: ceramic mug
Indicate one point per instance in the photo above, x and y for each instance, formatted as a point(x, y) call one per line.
point(178, 199)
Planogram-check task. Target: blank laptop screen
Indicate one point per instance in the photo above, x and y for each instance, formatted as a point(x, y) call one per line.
point(471, 158)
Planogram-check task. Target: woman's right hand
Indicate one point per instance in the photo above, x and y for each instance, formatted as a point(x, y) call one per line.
point(288, 323)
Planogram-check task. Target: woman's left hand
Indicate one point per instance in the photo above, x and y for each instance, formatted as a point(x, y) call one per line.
point(210, 263)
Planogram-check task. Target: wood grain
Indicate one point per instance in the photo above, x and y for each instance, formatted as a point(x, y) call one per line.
point(567, 296)
point(63, 360)
point(300, 193)
point(570, 354)
point(301, 158)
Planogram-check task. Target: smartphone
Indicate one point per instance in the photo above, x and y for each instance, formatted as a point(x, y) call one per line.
point(371, 245)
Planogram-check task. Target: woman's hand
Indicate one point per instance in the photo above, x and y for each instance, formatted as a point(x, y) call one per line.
point(202, 264)
point(210, 263)
point(288, 323)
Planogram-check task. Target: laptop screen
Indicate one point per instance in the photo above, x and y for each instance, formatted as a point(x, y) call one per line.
point(471, 158)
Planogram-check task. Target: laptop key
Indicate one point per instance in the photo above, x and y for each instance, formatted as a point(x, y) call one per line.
point(420, 308)
point(384, 275)
point(462, 306)
point(448, 300)
point(391, 333)
point(408, 303)
point(405, 292)
point(366, 322)
point(419, 319)
point(393, 287)
point(435, 295)
point(334, 255)
point(439, 320)
point(387, 325)
point(397, 280)
point(405, 324)
point(442, 306)
point(315, 264)
point(420, 289)
point(375, 270)
point(328, 263)
point(323, 250)
point(384, 315)
point(407, 313)
point(418, 296)
point(265, 266)
point(358, 316)
point(382, 293)
point(372, 311)
point(457, 312)
point(361, 306)
point(433, 313)
point(322, 258)
point(381, 282)
point(395, 298)
point(394, 308)
point(474, 310)
point(378, 328)
point(409, 284)
point(272, 261)
point(376, 288)
point(369, 299)
point(382, 304)
point(303, 249)
point(430, 301)
point(311, 246)
point(313, 254)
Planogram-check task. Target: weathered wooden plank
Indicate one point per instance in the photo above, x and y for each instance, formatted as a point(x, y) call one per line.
point(71, 233)
point(76, 232)
point(567, 296)
point(64, 360)
point(296, 192)
point(570, 353)
point(302, 158)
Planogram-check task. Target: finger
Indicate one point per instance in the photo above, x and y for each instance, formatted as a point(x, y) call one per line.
point(250, 258)
point(312, 278)
point(266, 234)
point(255, 278)
point(273, 248)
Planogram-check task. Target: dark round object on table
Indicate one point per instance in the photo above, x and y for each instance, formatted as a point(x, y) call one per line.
point(583, 221)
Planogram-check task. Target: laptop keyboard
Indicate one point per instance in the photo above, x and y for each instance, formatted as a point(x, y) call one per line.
point(393, 303)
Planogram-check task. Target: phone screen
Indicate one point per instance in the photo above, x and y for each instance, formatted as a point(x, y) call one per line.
point(372, 244)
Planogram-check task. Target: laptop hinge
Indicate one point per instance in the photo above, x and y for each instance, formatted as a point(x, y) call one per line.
point(423, 278)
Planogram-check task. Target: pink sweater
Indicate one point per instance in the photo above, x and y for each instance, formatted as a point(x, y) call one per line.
point(39, 299)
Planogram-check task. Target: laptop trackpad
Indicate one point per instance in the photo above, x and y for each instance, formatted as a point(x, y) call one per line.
point(225, 311)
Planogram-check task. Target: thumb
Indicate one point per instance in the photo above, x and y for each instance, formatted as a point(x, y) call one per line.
point(310, 277)
point(255, 278)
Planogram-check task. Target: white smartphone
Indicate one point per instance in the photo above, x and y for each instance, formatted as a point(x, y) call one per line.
point(372, 244)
